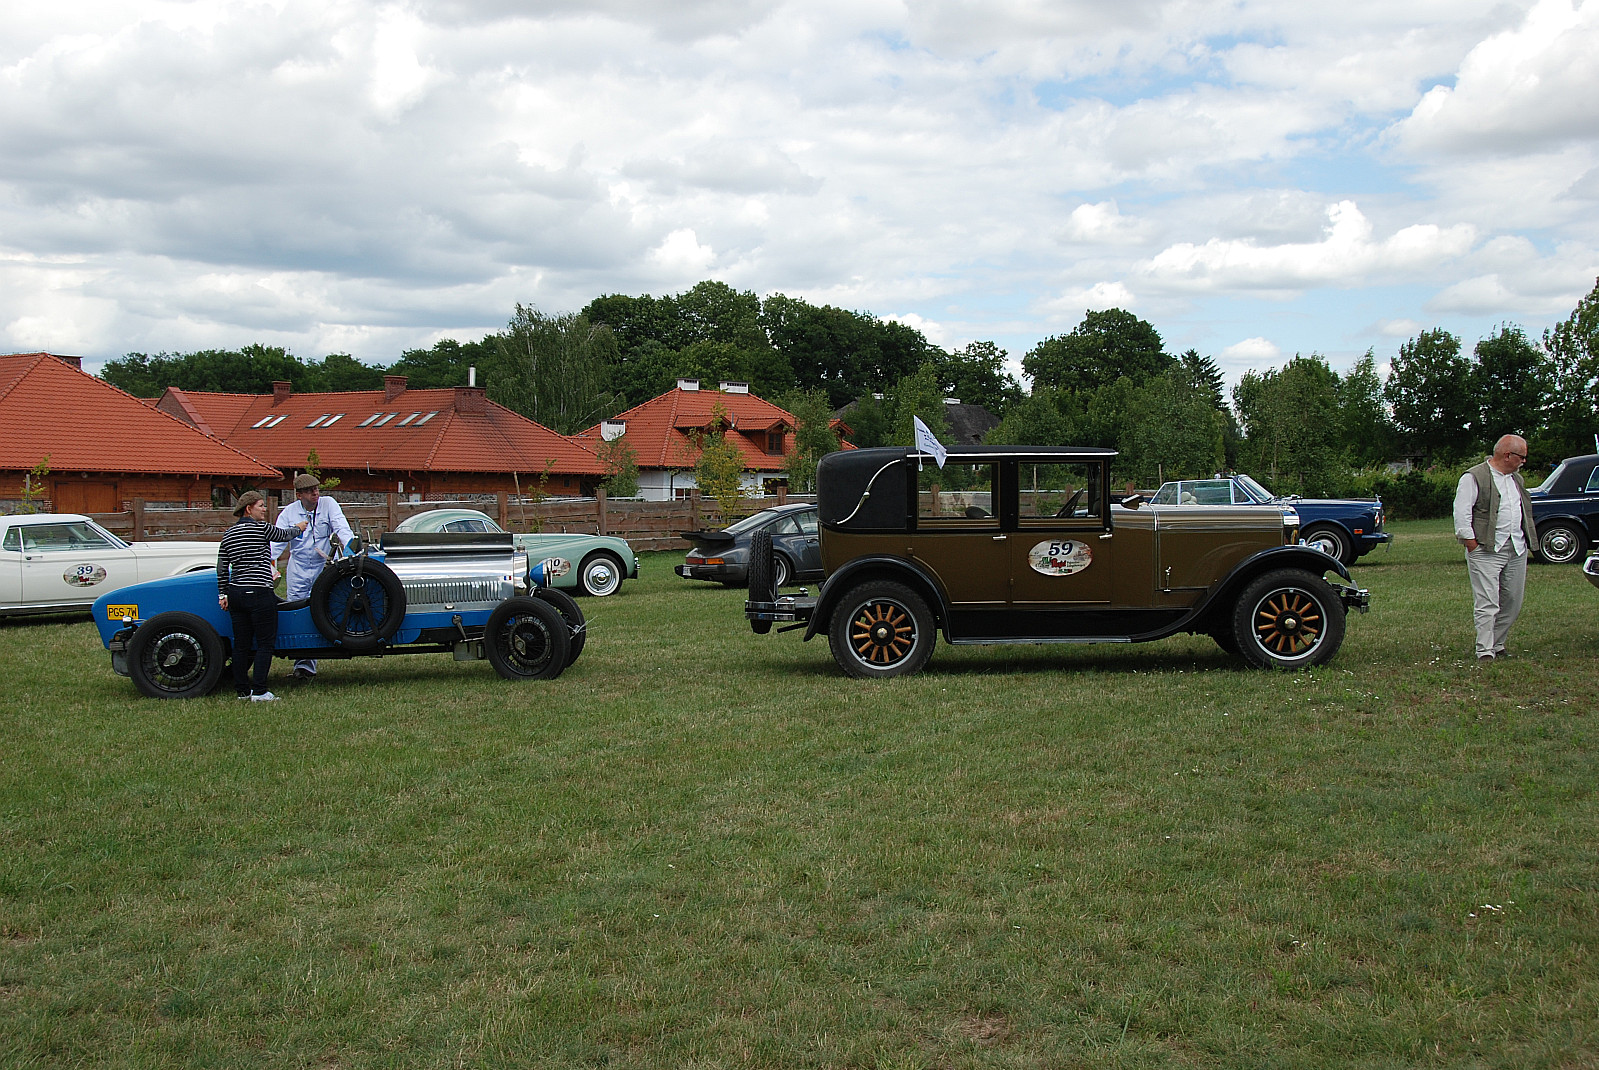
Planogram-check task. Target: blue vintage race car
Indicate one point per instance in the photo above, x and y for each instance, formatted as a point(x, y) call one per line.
point(1344, 528)
point(471, 595)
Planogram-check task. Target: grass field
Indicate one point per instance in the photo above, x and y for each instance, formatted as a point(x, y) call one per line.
point(704, 848)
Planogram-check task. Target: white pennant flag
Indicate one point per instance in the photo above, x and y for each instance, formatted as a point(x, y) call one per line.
point(926, 442)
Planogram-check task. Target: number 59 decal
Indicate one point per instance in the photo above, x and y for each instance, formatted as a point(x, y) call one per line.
point(1060, 557)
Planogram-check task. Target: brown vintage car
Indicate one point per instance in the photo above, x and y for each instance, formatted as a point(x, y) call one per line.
point(1023, 544)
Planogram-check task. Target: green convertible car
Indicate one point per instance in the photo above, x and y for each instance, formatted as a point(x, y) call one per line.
point(599, 563)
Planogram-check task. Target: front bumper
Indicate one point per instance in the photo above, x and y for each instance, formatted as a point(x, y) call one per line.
point(1590, 568)
point(719, 573)
point(1353, 597)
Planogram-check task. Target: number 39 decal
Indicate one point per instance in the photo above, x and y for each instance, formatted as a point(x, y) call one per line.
point(83, 575)
point(1060, 557)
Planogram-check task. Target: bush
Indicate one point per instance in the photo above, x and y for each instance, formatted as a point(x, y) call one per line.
point(1417, 494)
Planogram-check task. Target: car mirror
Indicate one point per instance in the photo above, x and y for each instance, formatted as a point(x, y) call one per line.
point(1132, 501)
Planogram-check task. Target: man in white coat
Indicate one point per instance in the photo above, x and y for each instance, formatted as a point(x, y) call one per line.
point(310, 552)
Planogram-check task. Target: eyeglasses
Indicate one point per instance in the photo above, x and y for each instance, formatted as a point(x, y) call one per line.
point(1523, 456)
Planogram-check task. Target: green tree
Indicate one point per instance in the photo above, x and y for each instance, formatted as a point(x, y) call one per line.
point(977, 376)
point(34, 488)
point(719, 468)
point(1512, 382)
point(554, 369)
point(1173, 431)
point(1286, 413)
point(313, 467)
point(1040, 419)
point(1430, 389)
point(1202, 374)
point(1573, 348)
point(340, 371)
point(917, 394)
point(621, 466)
point(813, 436)
point(446, 363)
point(1368, 434)
point(844, 354)
point(868, 422)
point(1104, 347)
point(250, 370)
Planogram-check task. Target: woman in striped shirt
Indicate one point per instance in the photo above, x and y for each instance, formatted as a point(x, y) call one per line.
point(244, 589)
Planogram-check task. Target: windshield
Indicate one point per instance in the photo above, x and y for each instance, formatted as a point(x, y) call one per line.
point(749, 523)
point(112, 539)
point(1258, 492)
point(1548, 485)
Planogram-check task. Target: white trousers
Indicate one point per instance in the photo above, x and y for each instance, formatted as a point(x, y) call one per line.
point(1498, 583)
point(297, 586)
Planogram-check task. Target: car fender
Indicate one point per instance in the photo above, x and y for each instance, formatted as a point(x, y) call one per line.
point(879, 566)
point(1563, 511)
point(1305, 557)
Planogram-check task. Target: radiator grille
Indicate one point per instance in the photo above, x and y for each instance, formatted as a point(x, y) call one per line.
point(456, 592)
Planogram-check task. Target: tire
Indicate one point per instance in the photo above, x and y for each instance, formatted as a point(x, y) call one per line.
point(175, 655)
point(1561, 543)
point(576, 627)
point(357, 604)
point(762, 586)
point(527, 639)
point(881, 629)
point(1332, 542)
point(1224, 639)
point(782, 571)
point(1288, 619)
point(600, 574)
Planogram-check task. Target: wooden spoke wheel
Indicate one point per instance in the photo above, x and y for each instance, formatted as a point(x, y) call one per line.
point(881, 629)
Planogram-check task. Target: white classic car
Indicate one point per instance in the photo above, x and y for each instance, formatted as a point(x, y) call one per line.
point(62, 562)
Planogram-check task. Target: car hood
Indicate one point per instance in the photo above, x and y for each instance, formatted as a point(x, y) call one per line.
point(173, 549)
point(1352, 503)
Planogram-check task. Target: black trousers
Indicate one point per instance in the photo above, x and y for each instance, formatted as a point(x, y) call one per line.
point(255, 628)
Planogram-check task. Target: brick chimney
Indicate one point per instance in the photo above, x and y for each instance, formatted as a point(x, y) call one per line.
point(281, 391)
point(76, 362)
point(471, 400)
point(393, 387)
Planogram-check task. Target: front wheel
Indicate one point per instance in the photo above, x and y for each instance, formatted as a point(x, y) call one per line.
point(175, 655)
point(1333, 543)
point(1288, 619)
point(1561, 543)
point(572, 614)
point(600, 574)
point(527, 639)
point(881, 629)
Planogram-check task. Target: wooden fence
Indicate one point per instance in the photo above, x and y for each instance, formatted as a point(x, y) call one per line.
point(645, 525)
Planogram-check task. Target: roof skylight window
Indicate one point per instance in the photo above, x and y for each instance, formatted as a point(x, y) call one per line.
point(277, 420)
point(262, 422)
point(386, 419)
point(426, 418)
point(319, 419)
point(368, 421)
point(408, 419)
point(334, 420)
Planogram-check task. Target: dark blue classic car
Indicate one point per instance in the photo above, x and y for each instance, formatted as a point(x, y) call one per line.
point(723, 555)
point(1344, 528)
point(1566, 509)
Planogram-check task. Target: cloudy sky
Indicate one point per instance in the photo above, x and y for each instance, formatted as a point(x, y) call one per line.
point(1254, 178)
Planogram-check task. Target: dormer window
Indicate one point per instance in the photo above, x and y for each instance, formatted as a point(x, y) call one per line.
point(774, 441)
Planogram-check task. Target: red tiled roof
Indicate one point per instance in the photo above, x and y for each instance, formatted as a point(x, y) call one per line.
point(452, 429)
point(660, 429)
point(49, 406)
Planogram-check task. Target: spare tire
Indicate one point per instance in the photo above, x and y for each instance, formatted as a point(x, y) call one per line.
point(762, 588)
point(567, 606)
point(357, 604)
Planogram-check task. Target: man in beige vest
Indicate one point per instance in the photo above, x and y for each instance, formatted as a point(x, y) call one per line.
point(1493, 520)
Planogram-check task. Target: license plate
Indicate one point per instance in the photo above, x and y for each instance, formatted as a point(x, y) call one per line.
point(121, 612)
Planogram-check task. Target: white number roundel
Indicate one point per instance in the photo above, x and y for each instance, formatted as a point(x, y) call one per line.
point(1060, 557)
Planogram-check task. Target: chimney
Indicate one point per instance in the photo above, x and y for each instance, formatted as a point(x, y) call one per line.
point(688, 384)
point(281, 391)
point(735, 388)
point(393, 387)
point(471, 400)
point(76, 362)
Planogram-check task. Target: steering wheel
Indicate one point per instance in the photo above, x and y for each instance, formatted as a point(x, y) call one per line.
point(1071, 503)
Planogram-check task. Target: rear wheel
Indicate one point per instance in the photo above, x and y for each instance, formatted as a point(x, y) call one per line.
point(1288, 619)
point(526, 639)
point(175, 655)
point(1561, 543)
point(881, 629)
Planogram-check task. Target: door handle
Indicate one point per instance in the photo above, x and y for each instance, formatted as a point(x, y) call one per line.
point(999, 538)
point(1107, 534)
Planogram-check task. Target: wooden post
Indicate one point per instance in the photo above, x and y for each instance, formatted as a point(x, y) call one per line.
point(138, 520)
point(394, 511)
point(599, 508)
point(782, 494)
point(504, 500)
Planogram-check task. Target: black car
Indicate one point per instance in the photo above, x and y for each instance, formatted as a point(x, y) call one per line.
point(1565, 508)
point(724, 555)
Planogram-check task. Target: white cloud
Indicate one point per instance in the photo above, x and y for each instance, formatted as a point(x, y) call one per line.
point(1095, 298)
point(1252, 351)
point(1346, 253)
point(935, 333)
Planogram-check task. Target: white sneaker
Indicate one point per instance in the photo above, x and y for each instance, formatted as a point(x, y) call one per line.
point(265, 696)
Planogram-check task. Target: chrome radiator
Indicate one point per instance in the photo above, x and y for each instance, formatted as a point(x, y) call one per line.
point(456, 571)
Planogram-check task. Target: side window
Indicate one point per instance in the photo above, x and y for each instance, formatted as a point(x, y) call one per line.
point(807, 522)
point(1211, 491)
point(1166, 495)
point(64, 537)
point(13, 540)
point(1048, 492)
point(955, 496)
point(785, 525)
point(1593, 479)
point(466, 525)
